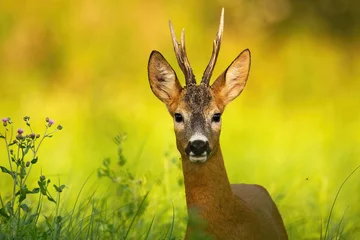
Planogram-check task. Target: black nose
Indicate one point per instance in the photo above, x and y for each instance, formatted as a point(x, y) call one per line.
point(198, 147)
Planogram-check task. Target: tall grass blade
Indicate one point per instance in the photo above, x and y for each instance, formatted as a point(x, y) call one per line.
point(136, 214)
point(337, 194)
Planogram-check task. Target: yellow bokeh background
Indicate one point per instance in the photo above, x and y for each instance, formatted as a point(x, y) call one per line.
point(295, 129)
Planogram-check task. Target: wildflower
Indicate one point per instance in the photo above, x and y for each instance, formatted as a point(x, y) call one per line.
point(20, 131)
point(51, 122)
point(5, 121)
point(32, 135)
point(59, 127)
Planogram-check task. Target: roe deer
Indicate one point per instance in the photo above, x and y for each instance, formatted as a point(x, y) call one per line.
point(237, 211)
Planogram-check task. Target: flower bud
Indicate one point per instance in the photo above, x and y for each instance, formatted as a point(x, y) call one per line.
point(32, 135)
point(20, 131)
point(42, 178)
point(51, 122)
point(27, 164)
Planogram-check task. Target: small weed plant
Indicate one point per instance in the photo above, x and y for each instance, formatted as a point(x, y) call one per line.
point(17, 217)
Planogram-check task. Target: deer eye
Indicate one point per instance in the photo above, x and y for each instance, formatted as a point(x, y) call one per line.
point(178, 118)
point(216, 118)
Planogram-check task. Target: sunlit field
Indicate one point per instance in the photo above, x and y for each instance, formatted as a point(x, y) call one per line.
point(295, 129)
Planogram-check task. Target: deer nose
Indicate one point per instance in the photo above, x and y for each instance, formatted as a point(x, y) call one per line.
point(198, 147)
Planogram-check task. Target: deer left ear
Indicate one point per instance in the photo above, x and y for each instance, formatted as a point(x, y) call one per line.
point(232, 82)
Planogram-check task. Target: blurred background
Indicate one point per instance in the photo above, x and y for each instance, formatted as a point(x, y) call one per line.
point(295, 129)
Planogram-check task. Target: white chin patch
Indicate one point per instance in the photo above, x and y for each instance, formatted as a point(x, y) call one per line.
point(202, 158)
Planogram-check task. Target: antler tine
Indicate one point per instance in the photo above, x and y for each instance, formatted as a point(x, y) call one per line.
point(181, 56)
point(216, 49)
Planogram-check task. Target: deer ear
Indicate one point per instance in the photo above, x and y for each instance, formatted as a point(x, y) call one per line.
point(230, 83)
point(162, 78)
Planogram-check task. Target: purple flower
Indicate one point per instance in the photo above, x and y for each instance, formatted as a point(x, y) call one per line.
point(5, 121)
point(51, 122)
point(20, 131)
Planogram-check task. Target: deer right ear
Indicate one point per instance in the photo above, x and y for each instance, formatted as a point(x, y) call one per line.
point(162, 78)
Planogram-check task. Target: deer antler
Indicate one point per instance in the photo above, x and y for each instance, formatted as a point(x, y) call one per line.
point(216, 48)
point(181, 56)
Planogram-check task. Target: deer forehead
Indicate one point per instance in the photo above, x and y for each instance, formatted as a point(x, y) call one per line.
point(196, 99)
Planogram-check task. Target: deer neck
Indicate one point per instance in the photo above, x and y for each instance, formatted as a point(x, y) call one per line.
point(207, 187)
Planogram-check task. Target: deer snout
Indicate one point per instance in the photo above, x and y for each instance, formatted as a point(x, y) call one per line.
point(198, 147)
point(198, 150)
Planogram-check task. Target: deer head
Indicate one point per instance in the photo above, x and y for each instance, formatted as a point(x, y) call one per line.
point(197, 109)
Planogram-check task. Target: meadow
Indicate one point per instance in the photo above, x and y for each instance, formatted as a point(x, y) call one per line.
point(295, 129)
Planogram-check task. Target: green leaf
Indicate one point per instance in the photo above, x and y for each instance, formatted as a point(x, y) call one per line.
point(4, 213)
point(22, 171)
point(5, 170)
point(58, 219)
point(35, 190)
point(34, 160)
point(26, 149)
point(42, 187)
point(1, 136)
point(22, 196)
point(25, 207)
point(59, 189)
point(51, 199)
point(106, 162)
